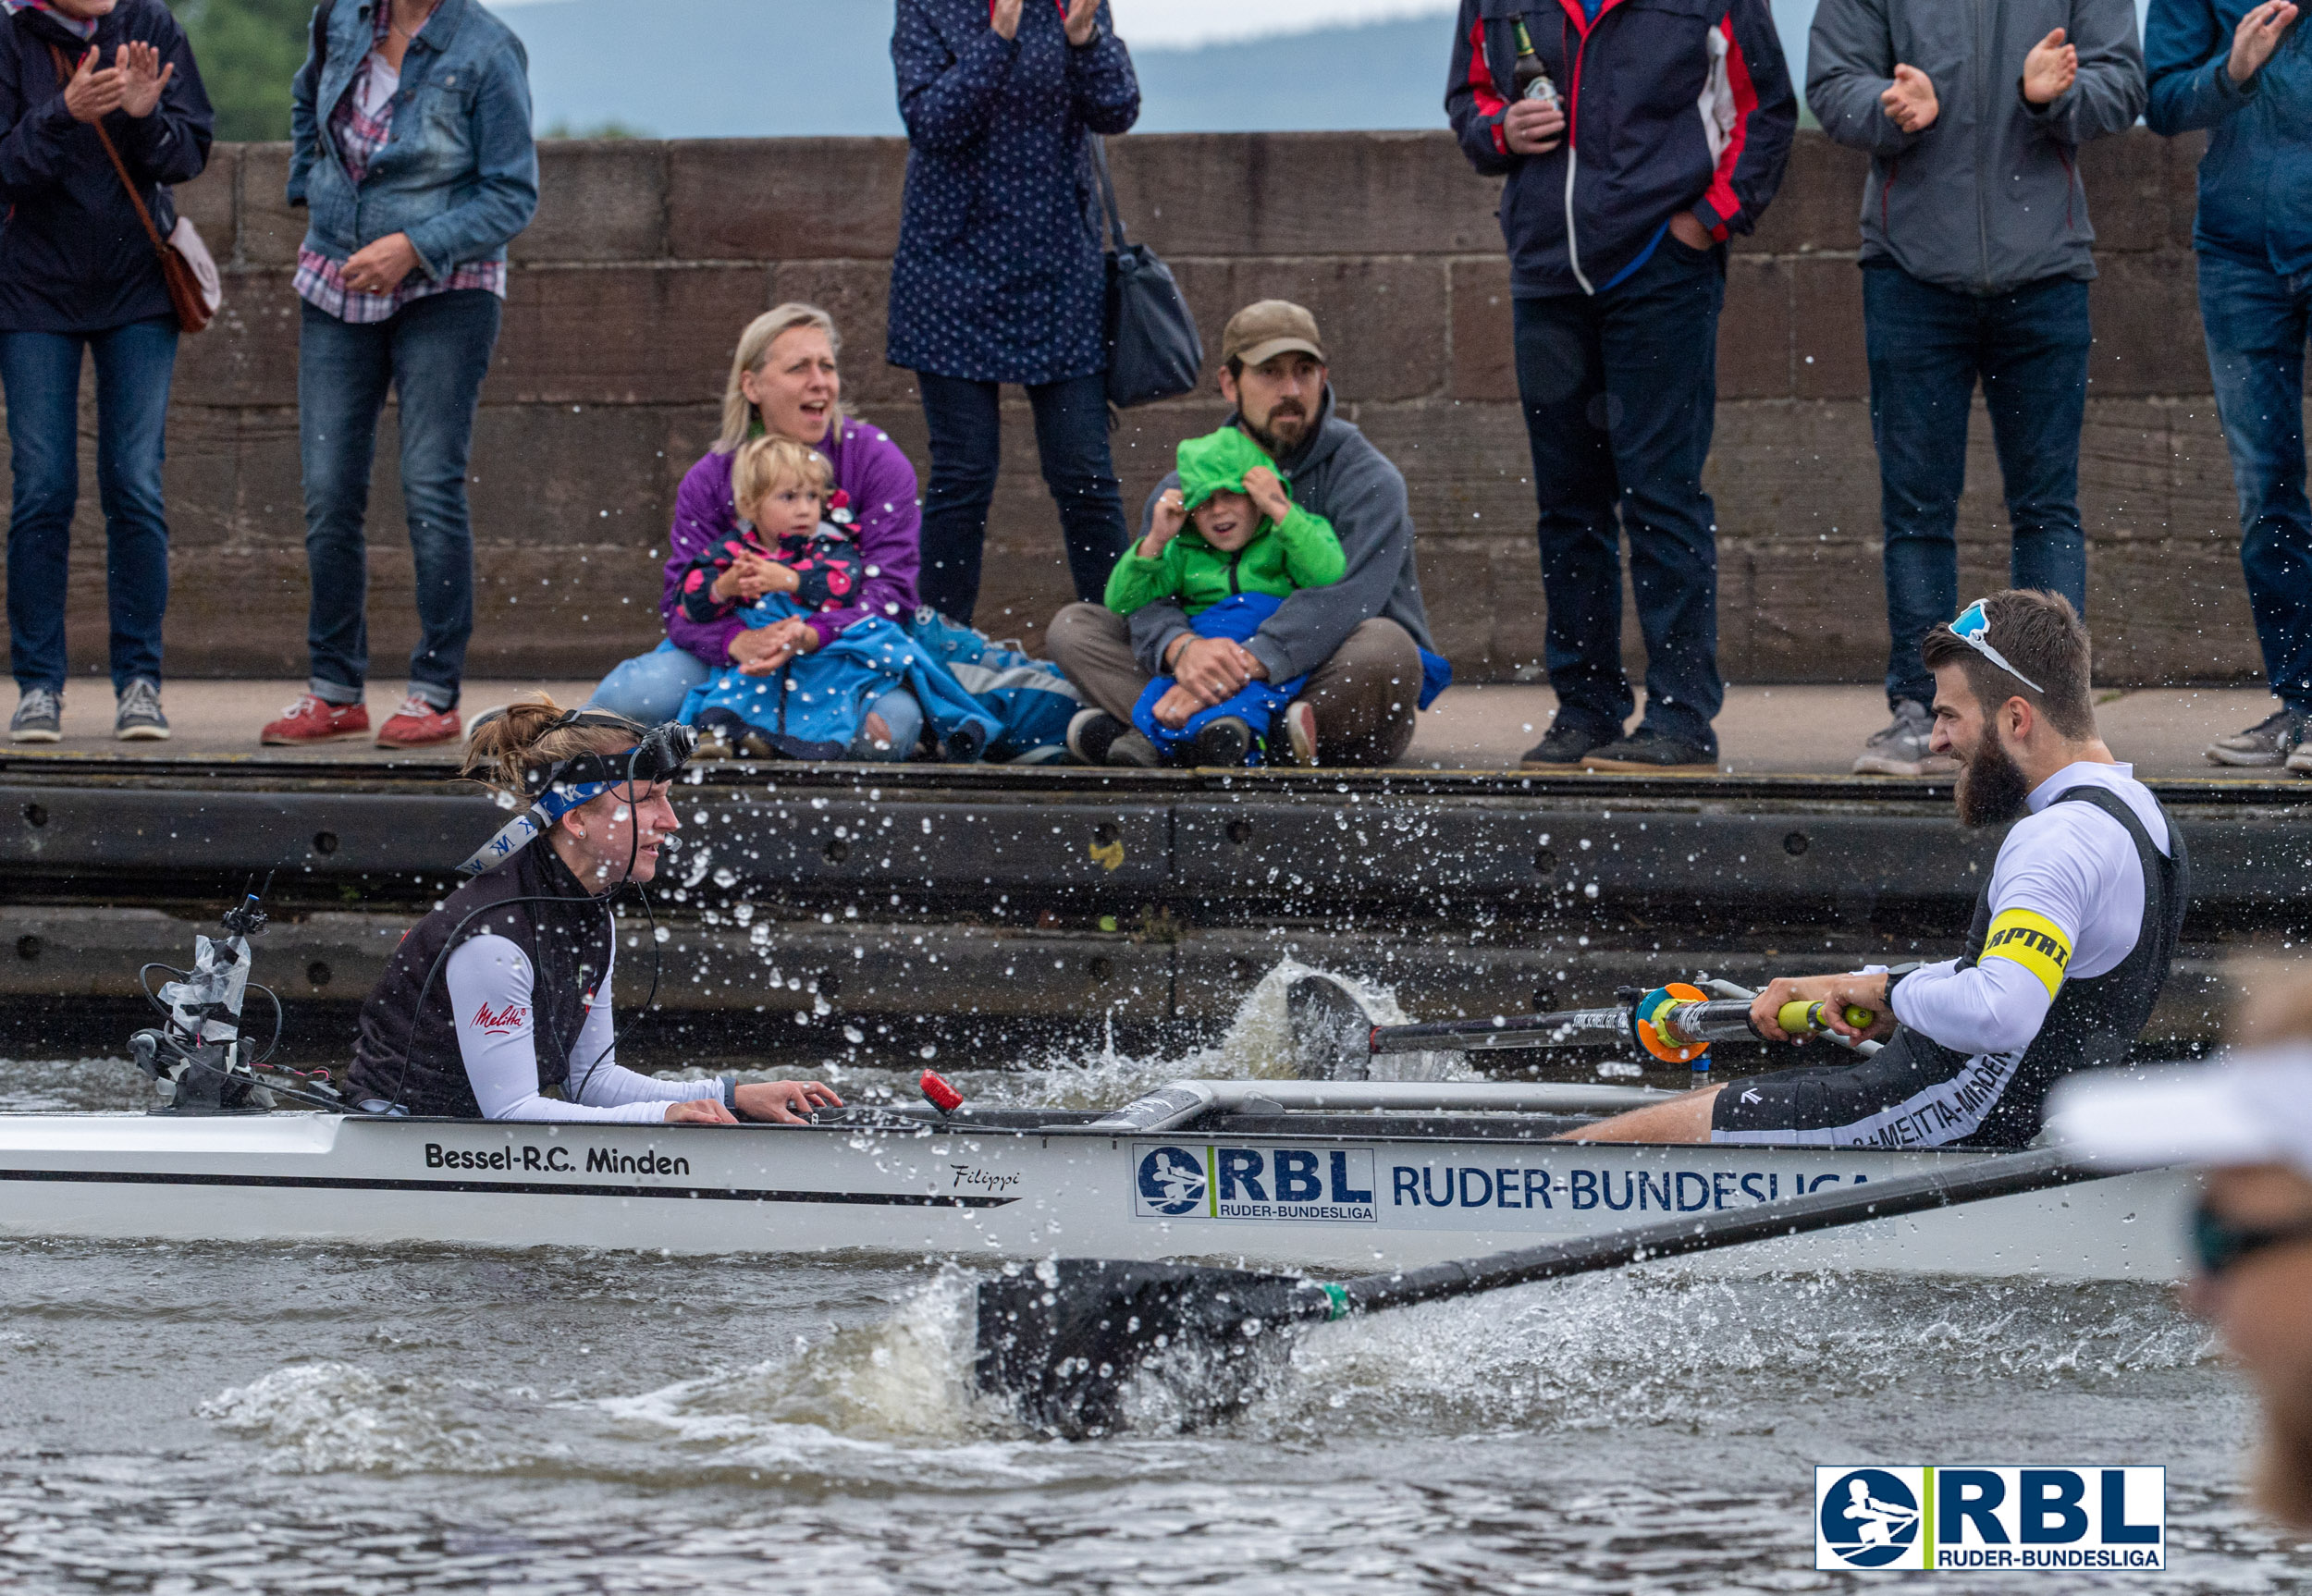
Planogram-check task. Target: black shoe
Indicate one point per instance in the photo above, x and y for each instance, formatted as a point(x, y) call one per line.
point(1134, 752)
point(1564, 745)
point(1091, 732)
point(964, 746)
point(1647, 752)
point(1223, 744)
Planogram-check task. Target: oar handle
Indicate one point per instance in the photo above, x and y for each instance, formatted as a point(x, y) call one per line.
point(1799, 1018)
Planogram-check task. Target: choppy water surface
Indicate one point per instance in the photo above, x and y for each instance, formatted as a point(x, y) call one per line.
point(196, 1417)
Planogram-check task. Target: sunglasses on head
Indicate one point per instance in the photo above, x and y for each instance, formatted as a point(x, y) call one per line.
point(1974, 629)
point(2218, 1243)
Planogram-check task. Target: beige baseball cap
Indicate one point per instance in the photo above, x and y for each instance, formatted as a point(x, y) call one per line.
point(1261, 331)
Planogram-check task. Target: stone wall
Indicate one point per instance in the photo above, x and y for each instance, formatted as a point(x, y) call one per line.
point(647, 257)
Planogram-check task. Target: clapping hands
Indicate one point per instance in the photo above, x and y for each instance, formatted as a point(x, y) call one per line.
point(2049, 70)
point(134, 83)
point(1909, 100)
point(1081, 21)
point(2258, 36)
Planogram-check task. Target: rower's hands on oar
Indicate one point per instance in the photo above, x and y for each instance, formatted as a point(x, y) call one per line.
point(785, 1102)
point(1836, 994)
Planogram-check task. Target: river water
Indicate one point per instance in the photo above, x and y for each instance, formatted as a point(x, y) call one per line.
point(288, 1420)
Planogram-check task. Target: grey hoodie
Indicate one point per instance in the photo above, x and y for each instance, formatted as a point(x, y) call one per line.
point(1988, 198)
point(1337, 474)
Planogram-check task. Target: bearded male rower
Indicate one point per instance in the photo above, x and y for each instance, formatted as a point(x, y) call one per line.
point(2070, 943)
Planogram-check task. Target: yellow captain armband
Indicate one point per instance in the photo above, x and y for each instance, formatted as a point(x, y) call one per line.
point(2032, 940)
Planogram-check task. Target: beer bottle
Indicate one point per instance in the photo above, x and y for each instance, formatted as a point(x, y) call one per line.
point(1529, 76)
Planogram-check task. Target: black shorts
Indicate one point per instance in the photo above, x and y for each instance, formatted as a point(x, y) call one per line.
point(1910, 1094)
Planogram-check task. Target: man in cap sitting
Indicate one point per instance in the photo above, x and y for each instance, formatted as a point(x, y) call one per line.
point(1363, 641)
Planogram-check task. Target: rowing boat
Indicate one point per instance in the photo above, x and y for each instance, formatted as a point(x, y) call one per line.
point(1338, 1177)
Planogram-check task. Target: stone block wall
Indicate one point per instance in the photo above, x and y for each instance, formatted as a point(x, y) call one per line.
point(647, 257)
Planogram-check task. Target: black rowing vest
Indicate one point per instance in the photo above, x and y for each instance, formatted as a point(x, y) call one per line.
point(566, 939)
point(2092, 1023)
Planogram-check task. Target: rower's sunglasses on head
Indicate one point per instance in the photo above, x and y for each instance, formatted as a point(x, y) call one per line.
point(2218, 1244)
point(1974, 629)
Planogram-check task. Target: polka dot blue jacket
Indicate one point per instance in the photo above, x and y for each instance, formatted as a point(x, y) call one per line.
point(999, 275)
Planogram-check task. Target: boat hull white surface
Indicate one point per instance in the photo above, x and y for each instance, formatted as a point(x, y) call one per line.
point(1346, 1204)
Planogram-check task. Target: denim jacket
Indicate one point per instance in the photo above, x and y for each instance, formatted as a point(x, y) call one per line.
point(2256, 180)
point(460, 174)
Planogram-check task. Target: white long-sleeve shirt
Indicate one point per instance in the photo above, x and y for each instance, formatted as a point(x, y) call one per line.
point(490, 984)
point(2067, 904)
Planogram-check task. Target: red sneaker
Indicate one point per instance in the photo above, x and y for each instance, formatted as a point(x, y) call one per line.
point(418, 724)
point(312, 719)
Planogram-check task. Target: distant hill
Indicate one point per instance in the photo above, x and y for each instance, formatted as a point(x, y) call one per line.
point(742, 68)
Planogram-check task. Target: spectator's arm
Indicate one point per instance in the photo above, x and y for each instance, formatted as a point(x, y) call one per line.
point(33, 156)
point(1101, 82)
point(1850, 62)
point(698, 601)
point(944, 96)
point(304, 122)
point(1375, 527)
point(1752, 98)
point(703, 515)
point(1154, 625)
point(2187, 58)
point(889, 527)
point(505, 191)
point(1313, 554)
point(1474, 103)
point(172, 144)
point(2109, 94)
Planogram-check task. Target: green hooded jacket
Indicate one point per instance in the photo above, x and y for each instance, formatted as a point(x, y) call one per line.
point(1299, 552)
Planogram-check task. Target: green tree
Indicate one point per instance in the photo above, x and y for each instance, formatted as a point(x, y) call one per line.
point(248, 50)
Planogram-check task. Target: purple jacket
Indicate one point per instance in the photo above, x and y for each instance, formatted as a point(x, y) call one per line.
point(868, 467)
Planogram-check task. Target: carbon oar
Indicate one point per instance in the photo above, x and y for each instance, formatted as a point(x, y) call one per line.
point(1063, 1340)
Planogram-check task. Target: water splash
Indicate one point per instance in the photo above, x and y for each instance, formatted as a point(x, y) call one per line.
point(324, 1417)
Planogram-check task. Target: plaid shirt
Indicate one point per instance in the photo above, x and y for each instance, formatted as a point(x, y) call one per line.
point(320, 281)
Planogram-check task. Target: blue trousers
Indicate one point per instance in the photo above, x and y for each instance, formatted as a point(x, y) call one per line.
point(2257, 322)
point(965, 423)
point(41, 373)
point(650, 688)
point(1620, 389)
point(433, 353)
point(1928, 346)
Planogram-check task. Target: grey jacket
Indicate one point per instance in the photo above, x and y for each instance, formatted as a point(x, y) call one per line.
point(1988, 198)
point(1337, 474)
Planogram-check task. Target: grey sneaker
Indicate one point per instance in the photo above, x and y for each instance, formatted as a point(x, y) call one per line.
point(2271, 741)
point(1901, 747)
point(38, 715)
point(139, 717)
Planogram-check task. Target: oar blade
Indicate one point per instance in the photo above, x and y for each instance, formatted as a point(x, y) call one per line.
point(1331, 1030)
point(1063, 1341)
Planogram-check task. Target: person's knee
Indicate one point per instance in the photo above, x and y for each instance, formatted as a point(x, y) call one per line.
point(1081, 626)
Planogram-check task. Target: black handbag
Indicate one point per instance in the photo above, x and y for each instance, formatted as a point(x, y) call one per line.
point(1154, 351)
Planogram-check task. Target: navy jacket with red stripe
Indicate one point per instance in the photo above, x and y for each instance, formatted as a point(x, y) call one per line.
point(1672, 106)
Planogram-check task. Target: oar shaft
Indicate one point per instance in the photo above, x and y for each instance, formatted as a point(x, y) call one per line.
point(2004, 1174)
point(1568, 1029)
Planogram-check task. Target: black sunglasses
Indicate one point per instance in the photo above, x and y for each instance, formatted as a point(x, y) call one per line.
point(2218, 1244)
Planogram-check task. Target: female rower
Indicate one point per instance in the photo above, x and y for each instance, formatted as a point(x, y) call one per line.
point(502, 994)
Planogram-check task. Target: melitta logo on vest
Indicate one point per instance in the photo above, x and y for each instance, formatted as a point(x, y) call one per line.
point(502, 1021)
point(2055, 1516)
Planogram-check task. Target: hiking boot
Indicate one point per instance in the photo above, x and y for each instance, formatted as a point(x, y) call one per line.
point(1091, 732)
point(1135, 752)
point(38, 715)
point(1646, 752)
point(713, 743)
point(315, 719)
point(1301, 730)
point(2271, 741)
point(138, 717)
point(1564, 745)
point(1901, 747)
point(1222, 743)
point(417, 724)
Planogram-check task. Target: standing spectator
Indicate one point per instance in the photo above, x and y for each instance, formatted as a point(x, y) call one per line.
point(999, 275)
point(78, 272)
point(1976, 256)
point(1681, 121)
point(2251, 82)
point(403, 275)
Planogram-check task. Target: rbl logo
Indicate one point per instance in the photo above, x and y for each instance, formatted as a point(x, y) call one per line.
point(2069, 1517)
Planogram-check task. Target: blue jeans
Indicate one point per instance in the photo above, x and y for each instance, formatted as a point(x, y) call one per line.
point(1927, 347)
point(650, 688)
point(1619, 390)
point(41, 373)
point(965, 423)
point(432, 354)
point(2256, 323)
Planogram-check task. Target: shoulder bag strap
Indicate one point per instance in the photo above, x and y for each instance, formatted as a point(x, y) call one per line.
point(1108, 193)
point(64, 76)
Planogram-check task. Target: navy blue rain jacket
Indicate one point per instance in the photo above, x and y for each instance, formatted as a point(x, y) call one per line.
point(73, 256)
point(999, 276)
point(2255, 180)
point(1672, 106)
